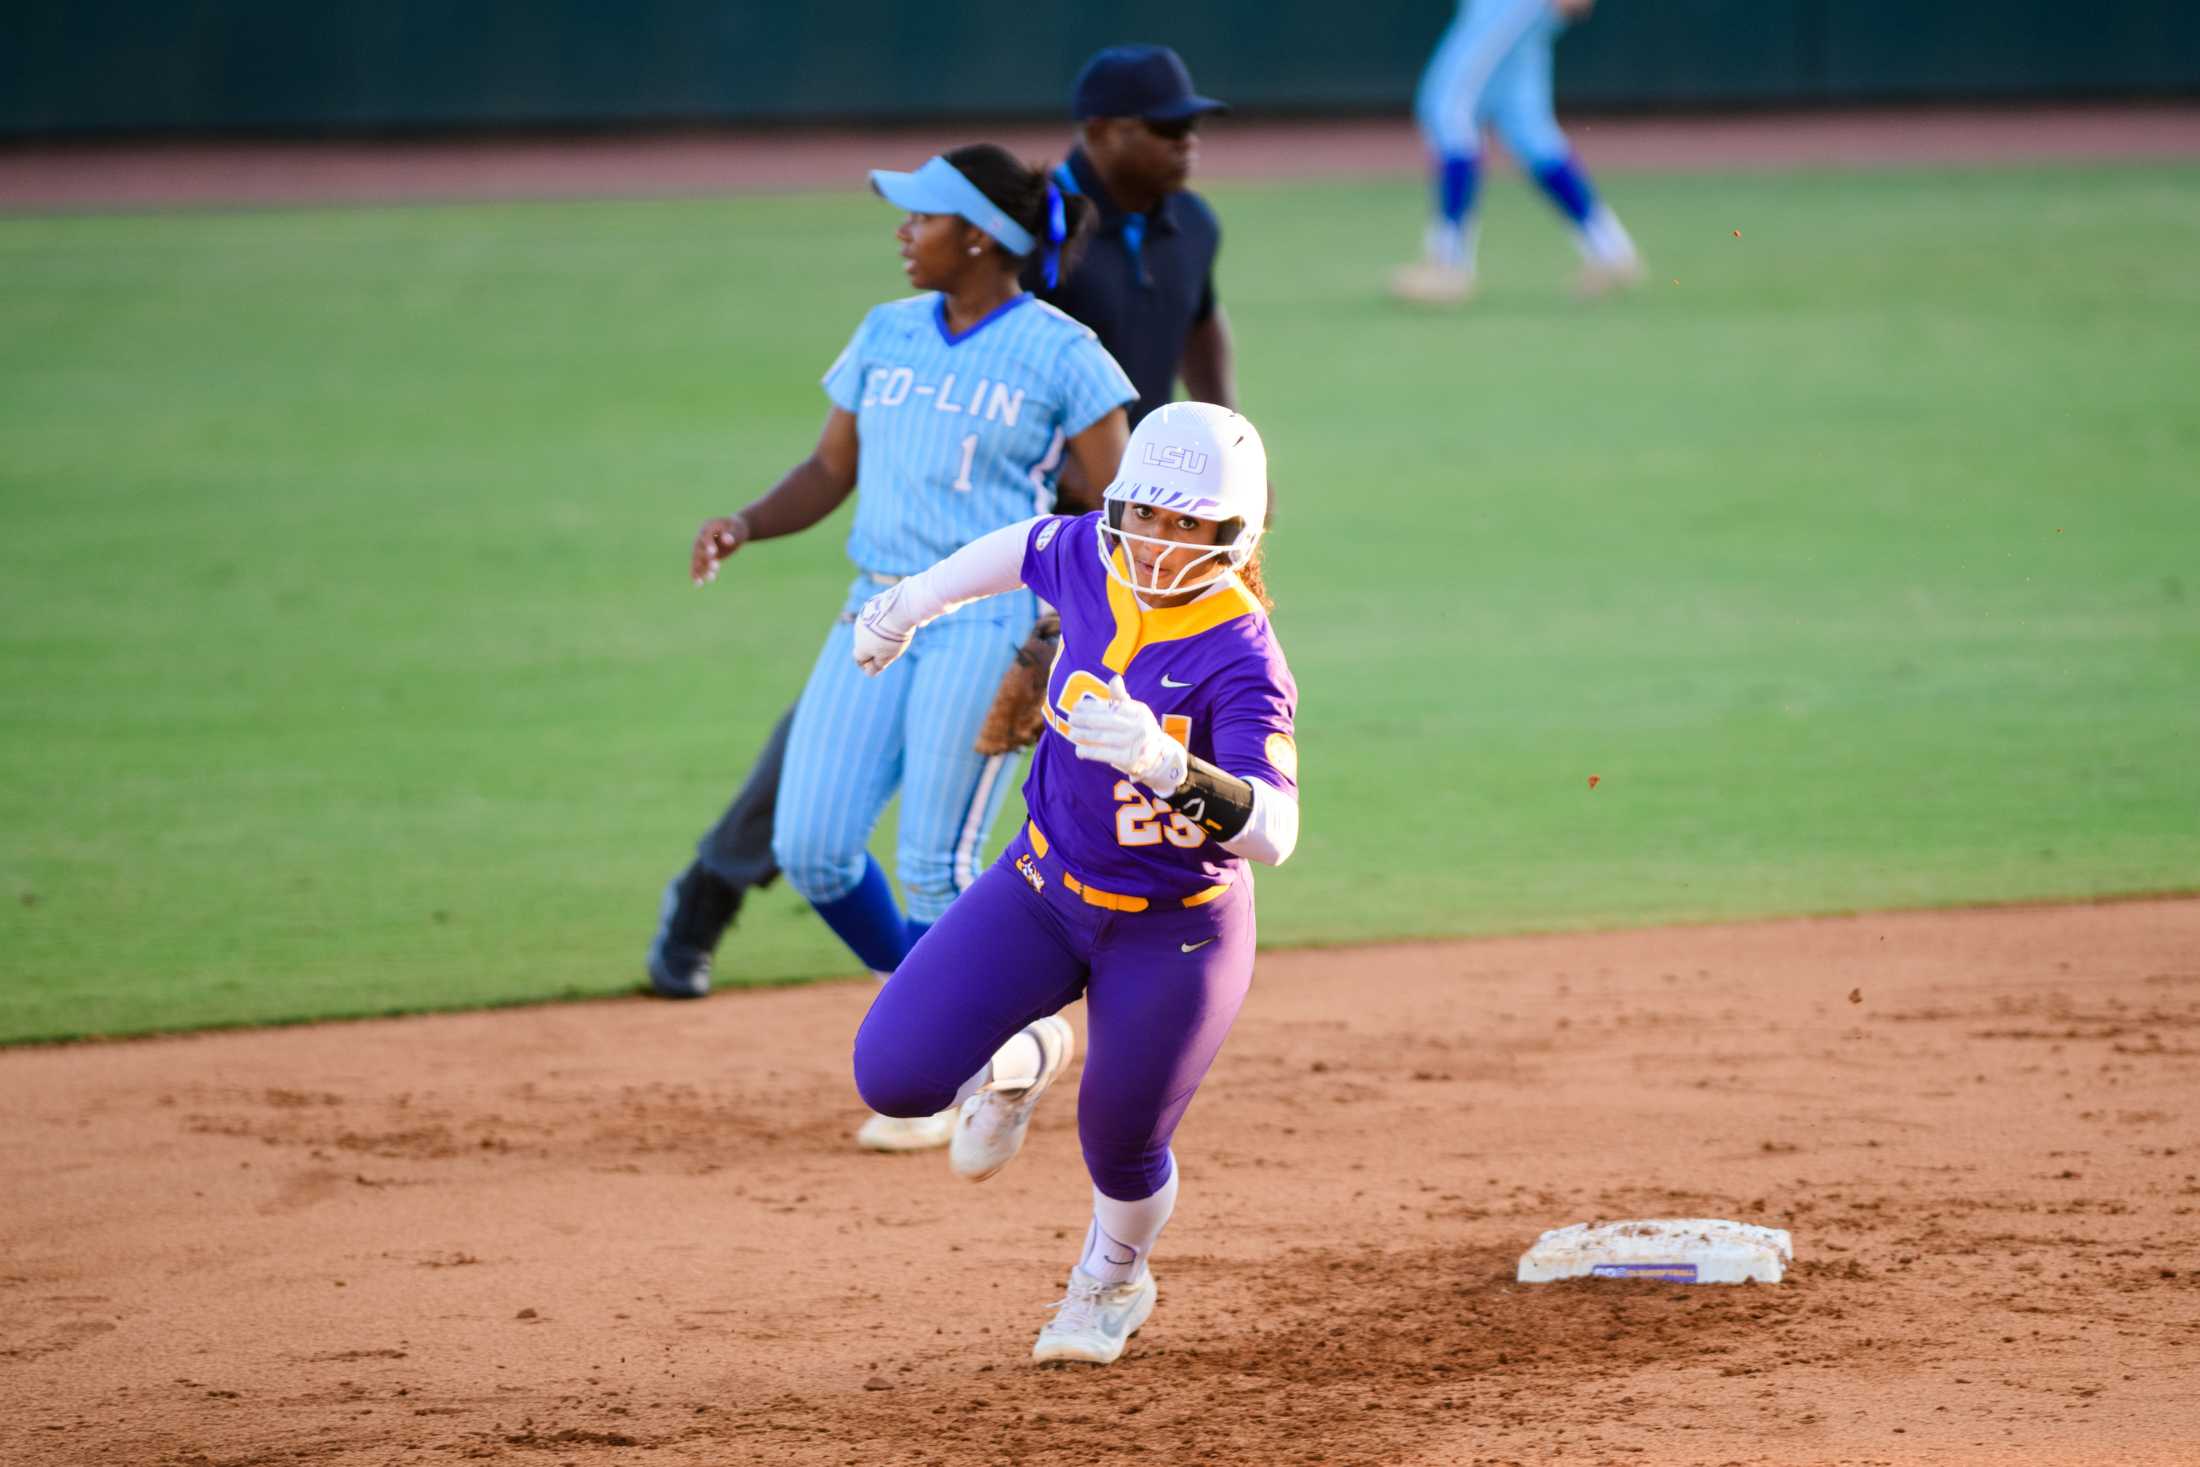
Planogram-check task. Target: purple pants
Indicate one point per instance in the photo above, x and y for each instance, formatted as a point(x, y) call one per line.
point(1161, 989)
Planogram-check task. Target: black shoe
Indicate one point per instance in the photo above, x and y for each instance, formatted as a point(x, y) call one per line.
point(698, 907)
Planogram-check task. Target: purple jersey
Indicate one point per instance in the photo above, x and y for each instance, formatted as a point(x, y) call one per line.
point(1211, 672)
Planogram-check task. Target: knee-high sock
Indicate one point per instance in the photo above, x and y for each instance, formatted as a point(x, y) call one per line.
point(1458, 180)
point(1597, 230)
point(1122, 1234)
point(869, 920)
point(1568, 188)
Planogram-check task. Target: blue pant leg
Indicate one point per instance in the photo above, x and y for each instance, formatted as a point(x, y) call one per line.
point(1156, 1017)
point(1518, 100)
point(844, 757)
point(1450, 102)
point(997, 960)
point(949, 792)
point(1432, 109)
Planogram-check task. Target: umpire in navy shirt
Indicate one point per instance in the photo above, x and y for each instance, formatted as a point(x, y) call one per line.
point(1146, 284)
point(1146, 287)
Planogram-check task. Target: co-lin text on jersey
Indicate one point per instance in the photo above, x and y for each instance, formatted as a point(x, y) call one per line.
point(893, 386)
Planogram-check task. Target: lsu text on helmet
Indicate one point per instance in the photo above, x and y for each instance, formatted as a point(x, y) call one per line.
point(1196, 459)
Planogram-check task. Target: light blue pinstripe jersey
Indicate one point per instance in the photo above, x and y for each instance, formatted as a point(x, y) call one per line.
point(962, 435)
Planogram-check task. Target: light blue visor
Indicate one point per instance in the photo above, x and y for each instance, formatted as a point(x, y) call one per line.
point(937, 188)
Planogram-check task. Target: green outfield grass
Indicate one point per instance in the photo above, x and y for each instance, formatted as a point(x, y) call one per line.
point(350, 666)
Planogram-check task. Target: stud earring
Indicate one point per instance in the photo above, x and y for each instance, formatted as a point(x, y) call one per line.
point(977, 249)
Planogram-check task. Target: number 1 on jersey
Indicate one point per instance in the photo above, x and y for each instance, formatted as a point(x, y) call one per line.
point(970, 456)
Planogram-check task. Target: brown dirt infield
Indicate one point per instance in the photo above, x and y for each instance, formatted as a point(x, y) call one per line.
point(188, 173)
point(635, 1232)
point(631, 1231)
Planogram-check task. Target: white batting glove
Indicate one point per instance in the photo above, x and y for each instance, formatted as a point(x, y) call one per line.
point(882, 633)
point(1123, 732)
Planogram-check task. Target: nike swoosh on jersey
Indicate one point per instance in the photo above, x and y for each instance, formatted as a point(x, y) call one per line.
point(1170, 682)
point(1193, 947)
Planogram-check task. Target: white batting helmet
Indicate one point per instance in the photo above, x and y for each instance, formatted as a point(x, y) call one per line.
point(1197, 459)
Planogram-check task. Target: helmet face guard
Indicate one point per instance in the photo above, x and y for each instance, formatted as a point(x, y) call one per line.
point(1200, 461)
point(1233, 547)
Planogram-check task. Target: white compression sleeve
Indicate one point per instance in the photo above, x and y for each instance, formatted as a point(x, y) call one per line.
point(1273, 832)
point(1122, 1234)
point(987, 566)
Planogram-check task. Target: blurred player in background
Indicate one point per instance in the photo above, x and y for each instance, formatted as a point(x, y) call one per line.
point(1167, 765)
point(1494, 66)
point(1146, 287)
point(952, 411)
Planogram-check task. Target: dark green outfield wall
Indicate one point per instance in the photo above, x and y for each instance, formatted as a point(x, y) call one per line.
point(91, 66)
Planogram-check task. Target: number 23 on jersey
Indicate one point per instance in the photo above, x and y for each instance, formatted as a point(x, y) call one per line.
point(1139, 820)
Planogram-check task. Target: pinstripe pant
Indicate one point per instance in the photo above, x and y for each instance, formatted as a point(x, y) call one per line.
point(857, 738)
point(1494, 66)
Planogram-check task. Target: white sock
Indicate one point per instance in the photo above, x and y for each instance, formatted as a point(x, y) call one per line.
point(1122, 1234)
point(1014, 1066)
point(971, 1086)
point(1603, 240)
point(1449, 245)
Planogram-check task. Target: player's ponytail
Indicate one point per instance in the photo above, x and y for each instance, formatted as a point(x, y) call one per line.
point(1059, 220)
point(1249, 573)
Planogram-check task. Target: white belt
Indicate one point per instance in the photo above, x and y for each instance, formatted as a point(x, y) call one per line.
point(876, 579)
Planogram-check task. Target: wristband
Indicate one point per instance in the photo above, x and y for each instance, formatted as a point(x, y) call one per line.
point(1217, 802)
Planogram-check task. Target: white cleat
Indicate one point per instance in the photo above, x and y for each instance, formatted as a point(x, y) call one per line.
point(1428, 283)
point(1095, 1321)
point(990, 1130)
point(1609, 277)
point(906, 1133)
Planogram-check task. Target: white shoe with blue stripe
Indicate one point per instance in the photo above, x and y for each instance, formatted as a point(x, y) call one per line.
point(1094, 1321)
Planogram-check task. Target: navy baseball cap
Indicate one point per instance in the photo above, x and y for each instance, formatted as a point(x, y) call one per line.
point(1138, 81)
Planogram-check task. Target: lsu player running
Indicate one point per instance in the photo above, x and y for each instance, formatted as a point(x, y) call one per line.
point(952, 410)
point(1166, 766)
